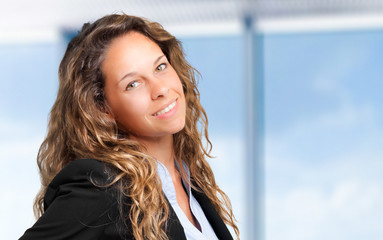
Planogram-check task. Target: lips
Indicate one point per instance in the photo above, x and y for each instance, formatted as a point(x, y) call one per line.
point(166, 109)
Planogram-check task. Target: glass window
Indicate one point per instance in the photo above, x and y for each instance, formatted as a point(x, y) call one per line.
point(323, 135)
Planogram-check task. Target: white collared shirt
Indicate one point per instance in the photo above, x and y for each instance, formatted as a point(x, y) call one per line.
point(191, 232)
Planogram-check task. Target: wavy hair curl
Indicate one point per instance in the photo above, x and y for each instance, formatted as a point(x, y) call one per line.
point(80, 128)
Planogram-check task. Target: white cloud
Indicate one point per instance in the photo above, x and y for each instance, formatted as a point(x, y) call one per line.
point(351, 210)
point(339, 198)
point(347, 116)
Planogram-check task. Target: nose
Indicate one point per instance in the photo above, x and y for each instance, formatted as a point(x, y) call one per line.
point(159, 88)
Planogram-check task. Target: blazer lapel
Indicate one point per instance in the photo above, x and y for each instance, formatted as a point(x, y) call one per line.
point(212, 216)
point(174, 229)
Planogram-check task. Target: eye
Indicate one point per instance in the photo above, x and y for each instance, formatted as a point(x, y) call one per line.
point(160, 67)
point(132, 85)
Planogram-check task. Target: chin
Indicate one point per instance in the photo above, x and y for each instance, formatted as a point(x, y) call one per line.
point(179, 127)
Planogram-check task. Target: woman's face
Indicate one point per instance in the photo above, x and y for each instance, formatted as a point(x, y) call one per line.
point(142, 88)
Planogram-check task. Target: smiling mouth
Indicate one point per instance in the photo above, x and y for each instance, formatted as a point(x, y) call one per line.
point(167, 109)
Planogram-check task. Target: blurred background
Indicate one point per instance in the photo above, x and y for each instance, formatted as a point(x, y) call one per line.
point(292, 89)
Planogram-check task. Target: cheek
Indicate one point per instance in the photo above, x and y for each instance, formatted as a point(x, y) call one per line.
point(129, 119)
point(177, 84)
point(126, 110)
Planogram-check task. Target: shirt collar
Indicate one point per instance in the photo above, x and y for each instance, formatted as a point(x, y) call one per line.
point(167, 183)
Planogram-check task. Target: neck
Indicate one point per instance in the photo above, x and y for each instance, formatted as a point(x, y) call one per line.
point(162, 149)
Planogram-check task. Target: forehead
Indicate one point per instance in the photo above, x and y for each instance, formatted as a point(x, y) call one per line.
point(129, 52)
point(133, 43)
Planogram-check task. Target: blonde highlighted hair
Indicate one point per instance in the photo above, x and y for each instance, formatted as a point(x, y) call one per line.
point(80, 128)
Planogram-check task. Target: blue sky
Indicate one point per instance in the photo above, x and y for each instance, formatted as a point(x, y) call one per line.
point(29, 79)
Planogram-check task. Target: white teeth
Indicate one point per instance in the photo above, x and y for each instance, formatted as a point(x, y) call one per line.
point(165, 110)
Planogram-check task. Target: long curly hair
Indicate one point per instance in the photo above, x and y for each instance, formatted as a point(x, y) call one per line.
point(79, 127)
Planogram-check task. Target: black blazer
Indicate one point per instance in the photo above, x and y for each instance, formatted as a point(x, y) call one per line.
point(76, 209)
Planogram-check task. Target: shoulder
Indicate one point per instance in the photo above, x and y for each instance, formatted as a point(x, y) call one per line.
point(81, 174)
point(80, 168)
point(79, 205)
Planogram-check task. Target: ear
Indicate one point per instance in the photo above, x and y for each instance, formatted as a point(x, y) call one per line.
point(110, 116)
point(107, 110)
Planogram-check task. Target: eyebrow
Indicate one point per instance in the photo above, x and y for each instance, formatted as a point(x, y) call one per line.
point(135, 73)
point(158, 59)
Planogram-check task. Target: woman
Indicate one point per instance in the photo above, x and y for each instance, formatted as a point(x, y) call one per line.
point(123, 158)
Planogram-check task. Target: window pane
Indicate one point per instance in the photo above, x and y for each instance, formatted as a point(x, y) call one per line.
point(324, 128)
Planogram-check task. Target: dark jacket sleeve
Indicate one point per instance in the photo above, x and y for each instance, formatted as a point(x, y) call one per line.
point(77, 209)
